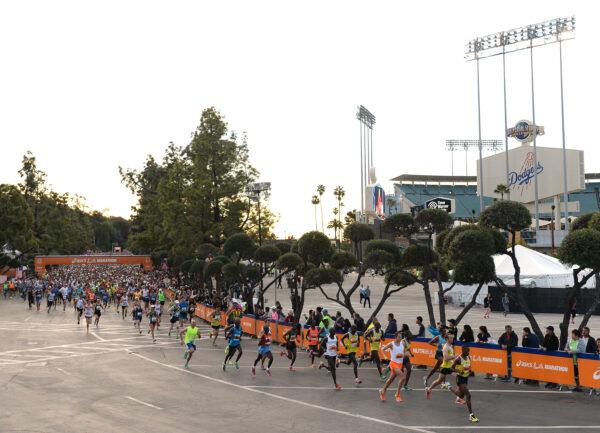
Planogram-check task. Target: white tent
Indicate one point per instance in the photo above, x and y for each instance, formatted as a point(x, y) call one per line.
point(537, 270)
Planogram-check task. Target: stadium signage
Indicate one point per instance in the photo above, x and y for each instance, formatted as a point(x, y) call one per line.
point(439, 203)
point(527, 172)
point(525, 131)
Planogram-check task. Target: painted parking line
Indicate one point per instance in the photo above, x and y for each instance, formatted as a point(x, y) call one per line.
point(143, 402)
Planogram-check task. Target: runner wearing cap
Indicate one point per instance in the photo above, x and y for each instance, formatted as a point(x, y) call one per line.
point(191, 333)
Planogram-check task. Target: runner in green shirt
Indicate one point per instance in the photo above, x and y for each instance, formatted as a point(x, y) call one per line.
point(191, 333)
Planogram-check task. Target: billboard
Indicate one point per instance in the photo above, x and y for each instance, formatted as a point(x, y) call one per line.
point(521, 175)
point(376, 203)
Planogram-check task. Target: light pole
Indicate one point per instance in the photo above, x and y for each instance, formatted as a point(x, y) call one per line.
point(523, 38)
point(480, 144)
point(254, 191)
point(367, 121)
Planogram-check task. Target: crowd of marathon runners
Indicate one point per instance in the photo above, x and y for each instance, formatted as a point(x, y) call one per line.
point(142, 296)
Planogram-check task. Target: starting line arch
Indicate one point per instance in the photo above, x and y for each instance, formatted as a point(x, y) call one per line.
point(42, 261)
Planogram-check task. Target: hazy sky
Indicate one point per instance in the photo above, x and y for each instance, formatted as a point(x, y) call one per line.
point(88, 86)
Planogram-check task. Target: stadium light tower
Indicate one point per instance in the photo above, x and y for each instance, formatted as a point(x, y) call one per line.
point(522, 38)
point(480, 144)
point(254, 191)
point(367, 121)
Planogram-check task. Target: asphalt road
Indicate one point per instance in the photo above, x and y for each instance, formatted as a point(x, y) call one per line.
point(56, 378)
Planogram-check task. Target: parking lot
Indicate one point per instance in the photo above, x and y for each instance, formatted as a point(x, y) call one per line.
point(56, 378)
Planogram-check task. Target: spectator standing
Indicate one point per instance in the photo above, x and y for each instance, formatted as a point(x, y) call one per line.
point(421, 331)
point(487, 306)
point(452, 329)
point(508, 341)
point(367, 295)
point(533, 342)
point(392, 326)
point(359, 322)
point(575, 345)
point(590, 342)
point(550, 344)
point(505, 304)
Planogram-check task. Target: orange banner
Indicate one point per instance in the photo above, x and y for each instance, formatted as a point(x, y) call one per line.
point(42, 261)
point(200, 311)
point(589, 372)
point(546, 368)
point(248, 325)
point(281, 330)
point(423, 353)
point(486, 359)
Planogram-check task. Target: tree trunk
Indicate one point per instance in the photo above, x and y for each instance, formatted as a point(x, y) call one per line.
point(591, 309)
point(564, 325)
point(470, 305)
point(440, 293)
point(429, 303)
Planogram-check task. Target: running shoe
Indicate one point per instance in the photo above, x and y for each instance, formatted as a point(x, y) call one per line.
point(187, 367)
point(459, 401)
point(381, 395)
point(425, 381)
point(291, 368)
point(398, 397)
point(338, 387)
point(445, 385)
point(268, 372)
point(224, 367)
point(253, 371)
point(321, 365)
point(357, 381)
point(282, 353)
point(237, 365)
point(406, 388)
point(428, 393)
point(473, 418)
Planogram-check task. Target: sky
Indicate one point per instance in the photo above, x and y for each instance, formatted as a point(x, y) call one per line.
point(90, 86)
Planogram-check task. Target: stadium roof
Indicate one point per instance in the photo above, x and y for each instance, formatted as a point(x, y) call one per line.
point(432, 178)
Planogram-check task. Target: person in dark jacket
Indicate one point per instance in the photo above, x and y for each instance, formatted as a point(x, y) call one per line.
point(392, 326)
point(421, 331)
point(508, 340)
point(533, 342)
point(359, 322)
point(467, 335)
point(530, 340)
point(550, 344)
point(590, 342)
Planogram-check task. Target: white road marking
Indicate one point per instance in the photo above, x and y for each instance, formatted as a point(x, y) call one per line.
point(512, 427)
point(65, 372)
point(359, 388)
point(144, 403)
point(290, 400)
point(36, 364)
point(97, 336)
point(27, 319)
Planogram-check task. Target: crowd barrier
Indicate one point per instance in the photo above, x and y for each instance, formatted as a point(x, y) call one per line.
point(532, 364)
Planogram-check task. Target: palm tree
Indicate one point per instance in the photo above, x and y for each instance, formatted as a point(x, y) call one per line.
point(315, 201)
point(321, 191)
point(339, 194)
point(501, 189)
point(391, 203)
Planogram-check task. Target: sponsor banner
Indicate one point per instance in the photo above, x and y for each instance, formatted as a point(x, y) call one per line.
point(423, 353)
point(589, 372)
point(541, 366)
point(486, 358)
point(42, 261)
point(200, 311)
point(280, 331)
point(170, 294)
point(248, 324)
point(208, 311)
